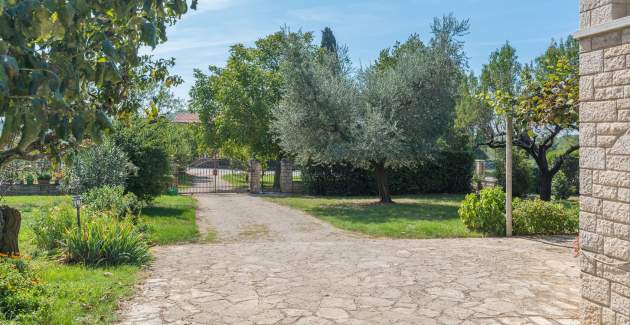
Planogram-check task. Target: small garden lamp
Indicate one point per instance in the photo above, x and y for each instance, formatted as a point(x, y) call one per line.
point(76, 202)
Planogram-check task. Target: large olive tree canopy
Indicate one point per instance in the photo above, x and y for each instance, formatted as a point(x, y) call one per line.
point(389, 114)
point(66, 65)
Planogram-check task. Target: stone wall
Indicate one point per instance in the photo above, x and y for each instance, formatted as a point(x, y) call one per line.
point(255, 177)
point(31, 189)
point(605, 160)
point(286, 176)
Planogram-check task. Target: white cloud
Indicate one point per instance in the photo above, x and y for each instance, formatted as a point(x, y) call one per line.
point(316, 14)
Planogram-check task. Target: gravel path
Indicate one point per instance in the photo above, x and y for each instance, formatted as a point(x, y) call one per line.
point(274, 265)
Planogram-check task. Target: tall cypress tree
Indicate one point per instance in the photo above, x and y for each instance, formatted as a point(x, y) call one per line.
point(328, 40)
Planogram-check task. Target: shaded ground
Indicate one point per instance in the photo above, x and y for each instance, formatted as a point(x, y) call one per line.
point(274, 265)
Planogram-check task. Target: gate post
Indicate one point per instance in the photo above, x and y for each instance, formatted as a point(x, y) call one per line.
point(255, 176)
point(286, 176)
point(605, 160)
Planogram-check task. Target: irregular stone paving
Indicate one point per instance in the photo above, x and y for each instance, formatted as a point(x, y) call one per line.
point(302, 271)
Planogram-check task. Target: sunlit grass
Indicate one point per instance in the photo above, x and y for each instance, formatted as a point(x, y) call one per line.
point(170, 220)
point(90, 295)
point(425, 216)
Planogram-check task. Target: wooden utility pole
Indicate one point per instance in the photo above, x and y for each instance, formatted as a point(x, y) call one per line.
point(508, 175)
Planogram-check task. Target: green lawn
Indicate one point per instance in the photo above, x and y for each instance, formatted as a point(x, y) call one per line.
point(425, 216)
point(90, 295)
point(171, 220)
point(238, 180)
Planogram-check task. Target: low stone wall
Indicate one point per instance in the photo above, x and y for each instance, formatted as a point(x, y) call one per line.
point(31, 189)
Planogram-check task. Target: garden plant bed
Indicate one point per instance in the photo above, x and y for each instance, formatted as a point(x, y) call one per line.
point(90, 295)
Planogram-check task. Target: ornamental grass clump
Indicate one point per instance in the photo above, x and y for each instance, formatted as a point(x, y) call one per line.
point(112, 200)
point(50, 225)
point(22, 295)
point(105, 241)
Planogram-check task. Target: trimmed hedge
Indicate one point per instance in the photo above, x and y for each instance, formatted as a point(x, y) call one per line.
point(447, 172)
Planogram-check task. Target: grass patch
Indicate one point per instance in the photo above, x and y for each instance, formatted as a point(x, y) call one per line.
point(239, 180)
point(90, 295)
point(254, 232)
point(211, 236)
point(236, 180)
point(84, 295)
point(425, 216)
point(171, 220)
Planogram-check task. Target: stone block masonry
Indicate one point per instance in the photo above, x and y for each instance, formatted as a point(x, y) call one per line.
point(255, 177)
point(286, 176)
point(605, 160)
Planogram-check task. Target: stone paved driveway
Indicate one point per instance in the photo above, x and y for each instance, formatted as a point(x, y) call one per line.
point(274, 265)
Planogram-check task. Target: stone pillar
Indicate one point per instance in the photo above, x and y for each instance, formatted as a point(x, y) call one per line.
point(255, 176)
point(605, 160)
point(480, 167)
point(286, 176)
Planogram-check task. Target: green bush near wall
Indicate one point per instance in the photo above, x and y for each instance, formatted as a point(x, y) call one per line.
point(447, 172)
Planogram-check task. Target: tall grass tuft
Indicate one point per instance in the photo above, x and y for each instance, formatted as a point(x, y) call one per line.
point(50, 226)
point(106, 241)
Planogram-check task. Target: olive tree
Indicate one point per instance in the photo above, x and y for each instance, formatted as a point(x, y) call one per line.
point(387, 115)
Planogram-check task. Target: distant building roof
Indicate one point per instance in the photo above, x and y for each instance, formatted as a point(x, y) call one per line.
point(186, 118)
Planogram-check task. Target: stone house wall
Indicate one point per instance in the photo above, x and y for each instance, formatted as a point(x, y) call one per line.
point(605, 160)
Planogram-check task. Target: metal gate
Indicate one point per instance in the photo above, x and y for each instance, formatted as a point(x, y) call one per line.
point(212, 175)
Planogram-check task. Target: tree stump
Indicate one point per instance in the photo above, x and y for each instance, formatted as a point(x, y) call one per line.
point(11, 222)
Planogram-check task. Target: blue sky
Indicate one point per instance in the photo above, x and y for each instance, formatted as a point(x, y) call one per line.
point(203, 38)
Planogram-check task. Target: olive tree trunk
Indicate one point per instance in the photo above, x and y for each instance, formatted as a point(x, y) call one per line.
point(381, 182)
point(10, 230)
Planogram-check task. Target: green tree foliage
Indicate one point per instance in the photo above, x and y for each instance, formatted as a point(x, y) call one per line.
point(65, 66)
point(96, 166)
point(541, 97)
point(237, 100)
point(329, 42)
point(561, 187)
point(387, 116)
point(141, 141)
point(473, 116)
point(153, 96)
point(523, 174)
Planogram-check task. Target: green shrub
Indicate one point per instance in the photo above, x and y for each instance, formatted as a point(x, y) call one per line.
point(22, 295)
point(50, 225)
point(112, 200)
point(524, 174)
point(537, 217)
point(445, 172)
point(561, 186)
point(29, 179)
point(99, 165)
point(143, 144)
point(484, 212)
point(106, 241)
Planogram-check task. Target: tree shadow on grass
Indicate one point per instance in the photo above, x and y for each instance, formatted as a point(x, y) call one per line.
point(369, 213)
point(162, 212)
